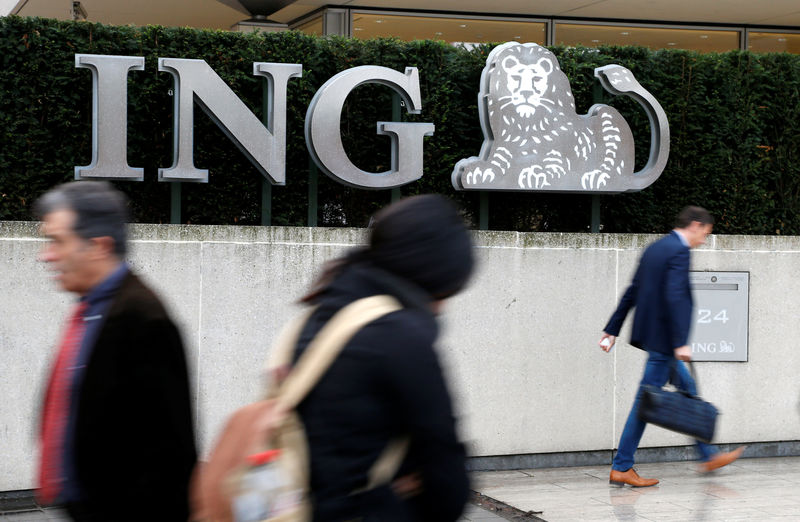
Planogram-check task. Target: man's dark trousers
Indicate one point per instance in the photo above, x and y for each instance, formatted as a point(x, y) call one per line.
point(660, 368)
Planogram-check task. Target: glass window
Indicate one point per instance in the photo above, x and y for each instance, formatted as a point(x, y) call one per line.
point(452, 30)
point(703, 40)
point(774, 42)
point(313, 26)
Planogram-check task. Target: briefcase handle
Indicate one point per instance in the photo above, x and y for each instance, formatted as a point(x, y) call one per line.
point(692, 372)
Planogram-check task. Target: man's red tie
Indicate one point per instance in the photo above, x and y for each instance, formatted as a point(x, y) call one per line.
point(56, 409)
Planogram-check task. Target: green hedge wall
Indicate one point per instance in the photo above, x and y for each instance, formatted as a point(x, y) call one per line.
point(734, 120)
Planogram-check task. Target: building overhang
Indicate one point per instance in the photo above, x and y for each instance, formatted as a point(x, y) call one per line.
point(223, 14)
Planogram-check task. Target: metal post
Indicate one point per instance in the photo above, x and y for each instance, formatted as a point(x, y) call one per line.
point(175, 203)
point(483, 216)
point(397, 115)
point(597, 92)
point(266, 202)
point(595, 213)
point(266, 186)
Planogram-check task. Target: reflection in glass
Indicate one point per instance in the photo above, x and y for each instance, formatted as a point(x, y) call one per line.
point(703, 40)
point(774, 42)
point(311, 27)
point(452, 30)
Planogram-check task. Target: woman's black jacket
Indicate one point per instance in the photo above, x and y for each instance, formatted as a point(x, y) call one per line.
point(386, 383)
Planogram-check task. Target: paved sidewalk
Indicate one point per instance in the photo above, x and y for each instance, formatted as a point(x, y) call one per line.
point(748, 489)
point(41, 515)
point(472, 513)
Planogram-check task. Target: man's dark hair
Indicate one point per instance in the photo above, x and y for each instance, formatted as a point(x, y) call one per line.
point(689, 214)
point(100, 210)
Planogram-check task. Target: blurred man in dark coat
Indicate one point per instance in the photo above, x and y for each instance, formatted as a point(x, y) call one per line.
point(116, 430)
point(662, 297)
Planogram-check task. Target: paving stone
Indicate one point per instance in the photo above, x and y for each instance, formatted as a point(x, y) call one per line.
point(749, 489)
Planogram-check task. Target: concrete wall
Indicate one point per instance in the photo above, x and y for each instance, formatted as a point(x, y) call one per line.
point(519, 345)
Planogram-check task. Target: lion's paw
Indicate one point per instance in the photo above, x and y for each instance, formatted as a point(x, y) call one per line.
point(555, 170)
point(533, 177)
point(478, 175)
point(594, 179)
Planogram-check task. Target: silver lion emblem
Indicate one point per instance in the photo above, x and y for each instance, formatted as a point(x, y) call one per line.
point(535, 140)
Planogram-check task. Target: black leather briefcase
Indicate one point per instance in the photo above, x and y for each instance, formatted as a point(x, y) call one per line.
point(678, 411)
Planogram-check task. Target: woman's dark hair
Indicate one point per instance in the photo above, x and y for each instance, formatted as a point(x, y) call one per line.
point(422, 239)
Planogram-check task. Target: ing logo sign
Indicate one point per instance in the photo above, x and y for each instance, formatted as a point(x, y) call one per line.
point(534, 140)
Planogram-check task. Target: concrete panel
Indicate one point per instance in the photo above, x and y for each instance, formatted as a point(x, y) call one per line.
point(519, 346)
point(32, 311)
point(249, 291)
point(759, 398)
point(749, 412)
point(172, 269)
point(522, 344)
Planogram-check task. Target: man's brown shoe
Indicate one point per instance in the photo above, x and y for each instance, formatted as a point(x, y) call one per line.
point(721, 459)
point(630, 477)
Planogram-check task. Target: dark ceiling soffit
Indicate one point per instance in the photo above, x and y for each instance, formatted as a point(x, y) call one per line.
point(263, 7)
point(234, 4)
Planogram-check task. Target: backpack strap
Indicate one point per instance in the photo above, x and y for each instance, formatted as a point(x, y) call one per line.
point(389, 461)
point(284, 345)
point(318, 357)
point(327, 345)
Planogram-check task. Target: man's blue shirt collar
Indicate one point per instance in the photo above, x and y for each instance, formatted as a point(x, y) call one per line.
point(106, 288)
point(682, 238)
point(98, 300)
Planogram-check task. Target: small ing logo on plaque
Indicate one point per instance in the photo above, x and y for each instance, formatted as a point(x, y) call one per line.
point(535, 140)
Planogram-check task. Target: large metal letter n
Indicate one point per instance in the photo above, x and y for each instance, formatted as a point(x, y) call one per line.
point(196, 81)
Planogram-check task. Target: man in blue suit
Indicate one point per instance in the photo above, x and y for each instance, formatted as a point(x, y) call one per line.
point(661, 294)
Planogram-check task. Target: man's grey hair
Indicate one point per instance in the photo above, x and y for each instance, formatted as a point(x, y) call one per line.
point(100, 210)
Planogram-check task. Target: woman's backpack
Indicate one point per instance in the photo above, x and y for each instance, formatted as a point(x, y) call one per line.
point(273, 424)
